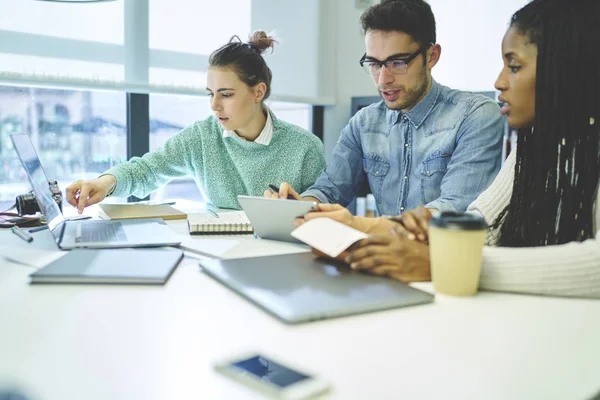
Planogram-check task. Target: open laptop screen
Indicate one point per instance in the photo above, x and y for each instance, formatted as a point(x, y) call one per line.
point(39, 183)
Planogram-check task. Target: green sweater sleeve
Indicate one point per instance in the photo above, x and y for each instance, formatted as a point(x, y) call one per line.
point(313, 164)
point(142, 175)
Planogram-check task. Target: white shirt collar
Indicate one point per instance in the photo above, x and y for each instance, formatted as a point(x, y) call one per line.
point(265, 135)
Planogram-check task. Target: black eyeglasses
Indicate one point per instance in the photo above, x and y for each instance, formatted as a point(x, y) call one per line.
point(396, 66)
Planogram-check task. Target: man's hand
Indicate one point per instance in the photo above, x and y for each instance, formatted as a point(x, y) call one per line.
point(391, 255)
point(81, 194)
point(414, 224)
point(341, 214)
point(285, 191)
point(334, 211)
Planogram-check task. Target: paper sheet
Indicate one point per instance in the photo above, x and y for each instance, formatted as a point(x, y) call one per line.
point(328, 236)
point(226, 248)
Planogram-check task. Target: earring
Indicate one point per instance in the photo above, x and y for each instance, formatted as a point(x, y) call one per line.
point(592, 121)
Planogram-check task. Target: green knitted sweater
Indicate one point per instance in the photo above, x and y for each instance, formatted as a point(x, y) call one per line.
point(225, 167)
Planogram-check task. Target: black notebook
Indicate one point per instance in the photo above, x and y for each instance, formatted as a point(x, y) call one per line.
point(149, 266)
point(227, 222)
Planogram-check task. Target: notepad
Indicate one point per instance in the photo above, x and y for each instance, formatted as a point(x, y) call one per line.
point(222, 222)
point(135, 211)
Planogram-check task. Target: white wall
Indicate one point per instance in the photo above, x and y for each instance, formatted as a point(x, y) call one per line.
point(345, 48)
point(294, 62)
point(469, 31)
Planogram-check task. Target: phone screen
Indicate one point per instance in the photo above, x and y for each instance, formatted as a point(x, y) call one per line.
point(270, 371)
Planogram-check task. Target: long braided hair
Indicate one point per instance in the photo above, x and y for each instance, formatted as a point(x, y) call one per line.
point(558, 159)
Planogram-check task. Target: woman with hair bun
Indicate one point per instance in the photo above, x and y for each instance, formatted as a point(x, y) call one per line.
point(241, 149)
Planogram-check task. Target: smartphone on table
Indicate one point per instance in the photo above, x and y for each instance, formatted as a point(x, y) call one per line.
point(272, 378)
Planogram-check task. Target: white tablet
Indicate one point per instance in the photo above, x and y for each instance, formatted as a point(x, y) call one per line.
point(274, 218)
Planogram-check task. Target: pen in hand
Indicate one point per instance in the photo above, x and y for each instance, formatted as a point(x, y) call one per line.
point(275, 189)
point(22, 234)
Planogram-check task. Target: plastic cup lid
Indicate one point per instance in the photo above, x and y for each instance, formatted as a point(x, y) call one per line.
point(452, 220)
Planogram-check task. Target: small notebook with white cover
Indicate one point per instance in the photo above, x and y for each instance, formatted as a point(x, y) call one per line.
point(128, 266)
point(212, 223)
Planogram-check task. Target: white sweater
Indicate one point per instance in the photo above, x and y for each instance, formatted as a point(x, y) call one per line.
point(571, 269)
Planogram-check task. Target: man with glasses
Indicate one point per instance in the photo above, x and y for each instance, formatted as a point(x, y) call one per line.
point(424, 143)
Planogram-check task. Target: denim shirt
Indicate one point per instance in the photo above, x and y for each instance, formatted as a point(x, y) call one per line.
point(442, 153)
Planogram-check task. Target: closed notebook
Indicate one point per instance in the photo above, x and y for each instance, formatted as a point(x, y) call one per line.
point(135, 211)
point(223, 222)
point(149, 266)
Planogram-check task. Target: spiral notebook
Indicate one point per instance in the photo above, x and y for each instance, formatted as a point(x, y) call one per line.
point(227, 222)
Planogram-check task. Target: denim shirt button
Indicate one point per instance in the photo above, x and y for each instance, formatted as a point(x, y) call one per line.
point(405, 144)
point(428, 173)
point(401, 208)
point(405, 177)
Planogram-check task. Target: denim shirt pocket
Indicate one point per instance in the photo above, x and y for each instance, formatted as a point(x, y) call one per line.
point(433, 170)
point(376, 169)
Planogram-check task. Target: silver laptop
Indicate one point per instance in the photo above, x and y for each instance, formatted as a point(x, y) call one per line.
point(300, 287)
point(148, 232)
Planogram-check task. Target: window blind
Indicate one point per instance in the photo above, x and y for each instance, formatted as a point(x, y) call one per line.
point(161, 46)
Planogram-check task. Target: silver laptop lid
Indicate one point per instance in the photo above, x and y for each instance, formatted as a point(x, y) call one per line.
point(39, 183)
point(300, 287)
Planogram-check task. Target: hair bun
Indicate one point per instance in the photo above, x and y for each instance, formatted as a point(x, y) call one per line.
point(260, 41)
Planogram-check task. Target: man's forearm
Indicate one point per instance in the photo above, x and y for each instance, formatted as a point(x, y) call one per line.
point(373, 225)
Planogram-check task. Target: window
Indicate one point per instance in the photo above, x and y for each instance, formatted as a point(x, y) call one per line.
point(183, 33)
point(159, 46)
point(197, 27)
point(154, 46)
point(54, 42)
point(169, 114)
point(82, 22)
point(78, 134)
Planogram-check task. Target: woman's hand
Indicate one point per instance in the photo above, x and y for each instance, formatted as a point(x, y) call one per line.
point(285, 192)
point(81, 194)
point(414, 224)
point(391, 255)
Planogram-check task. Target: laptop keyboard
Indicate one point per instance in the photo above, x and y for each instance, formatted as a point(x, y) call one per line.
point(92, 232)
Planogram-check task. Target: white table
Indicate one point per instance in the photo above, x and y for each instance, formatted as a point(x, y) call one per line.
point(60, 342)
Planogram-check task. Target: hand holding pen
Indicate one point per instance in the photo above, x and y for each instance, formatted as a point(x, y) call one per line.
point(285, 191)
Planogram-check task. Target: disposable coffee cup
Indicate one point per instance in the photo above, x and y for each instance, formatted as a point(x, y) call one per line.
point(455, 250)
